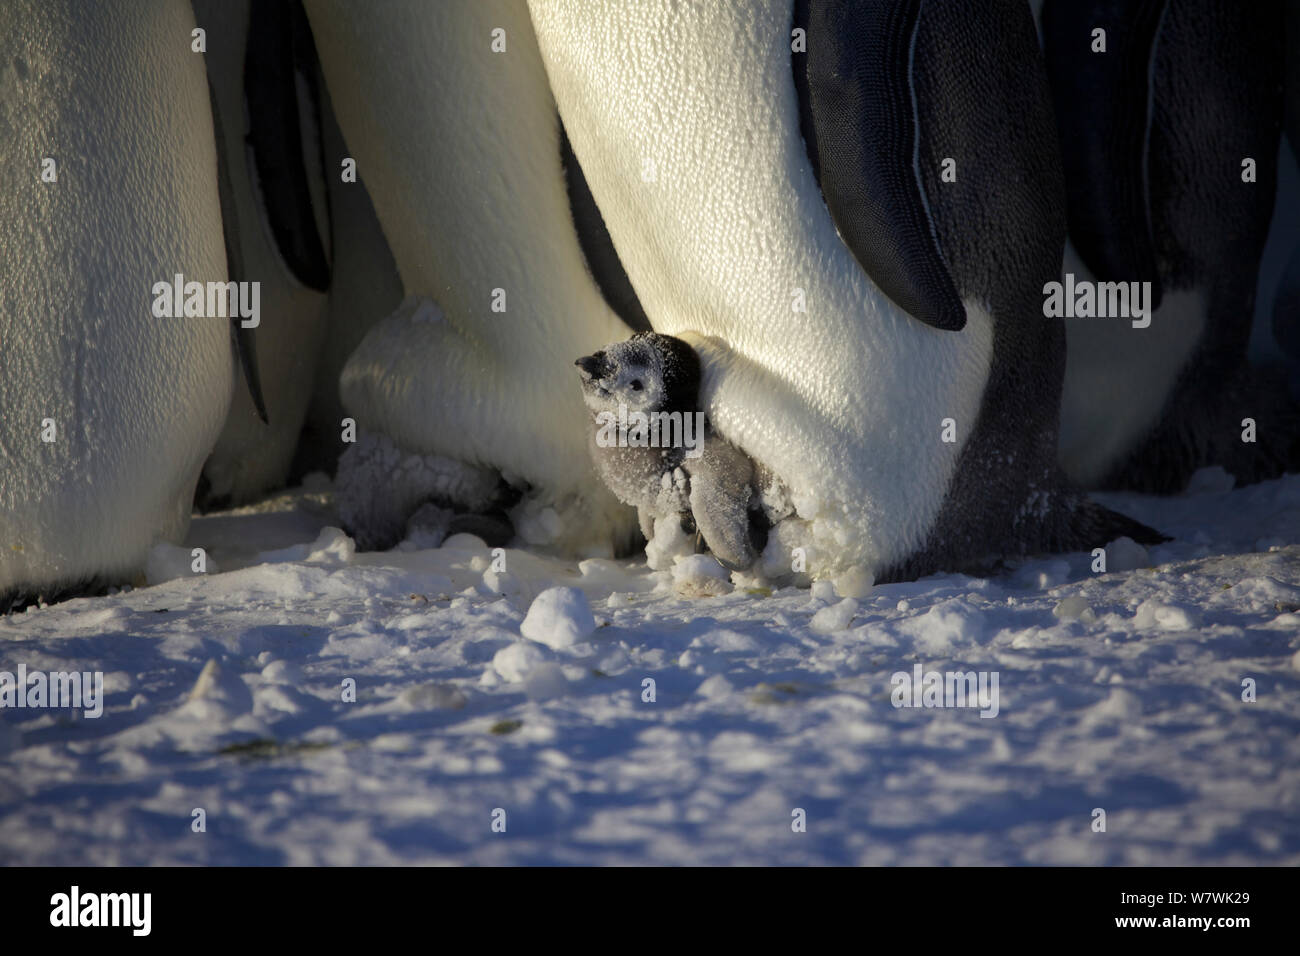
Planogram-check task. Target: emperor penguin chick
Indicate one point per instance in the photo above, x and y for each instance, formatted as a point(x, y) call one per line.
point(655, 450)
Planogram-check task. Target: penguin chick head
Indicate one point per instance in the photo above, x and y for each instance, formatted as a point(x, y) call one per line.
point(646, 373)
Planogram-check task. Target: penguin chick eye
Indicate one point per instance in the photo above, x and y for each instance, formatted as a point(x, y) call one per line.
point(636, 385)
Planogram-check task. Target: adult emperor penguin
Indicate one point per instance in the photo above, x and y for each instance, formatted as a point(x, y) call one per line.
point(467, 389)
point(262, 68)
point(879, 342)
point(1169, 116)
point(110, 187)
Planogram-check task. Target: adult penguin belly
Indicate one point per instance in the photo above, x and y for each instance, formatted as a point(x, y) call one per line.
point(878, 342)
point(262, 69)
point(1156, 132)
point(473, 375)
point(108, 410)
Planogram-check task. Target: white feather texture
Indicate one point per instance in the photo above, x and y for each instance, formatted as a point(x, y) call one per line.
point(114, 94)
point(685, 119)
point(459, 147)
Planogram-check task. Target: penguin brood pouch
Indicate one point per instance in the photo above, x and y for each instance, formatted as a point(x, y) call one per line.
point(655, 449)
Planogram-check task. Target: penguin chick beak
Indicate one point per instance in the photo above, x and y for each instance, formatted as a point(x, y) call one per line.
point(592, 366)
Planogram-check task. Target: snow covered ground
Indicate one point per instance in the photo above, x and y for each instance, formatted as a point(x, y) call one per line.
point(1121, 691)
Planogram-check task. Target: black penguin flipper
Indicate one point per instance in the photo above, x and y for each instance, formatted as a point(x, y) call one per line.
point(282, 96)
point(1102, 101)
point(597, 246)
point(864, 122)
point(242, 339)
point(246, 352)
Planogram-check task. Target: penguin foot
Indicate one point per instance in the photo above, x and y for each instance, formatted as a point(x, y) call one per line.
point(1094, 526)
point(17, 599)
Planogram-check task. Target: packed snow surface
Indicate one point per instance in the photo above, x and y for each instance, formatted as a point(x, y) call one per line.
point(515, 708)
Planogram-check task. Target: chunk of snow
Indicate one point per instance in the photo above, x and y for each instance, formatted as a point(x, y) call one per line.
point(1125, 554)
point(668, 544)
point(559, 617)
point(215, 683)
point(836, 617)
point(700, 575)
point(823, 591)
point(434, 696)
point(945, 626)
point(1121, 706)
point(515, 662)
point(1166, 617)
point(1074, 608)
point(282, 672)
point(331, 547)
